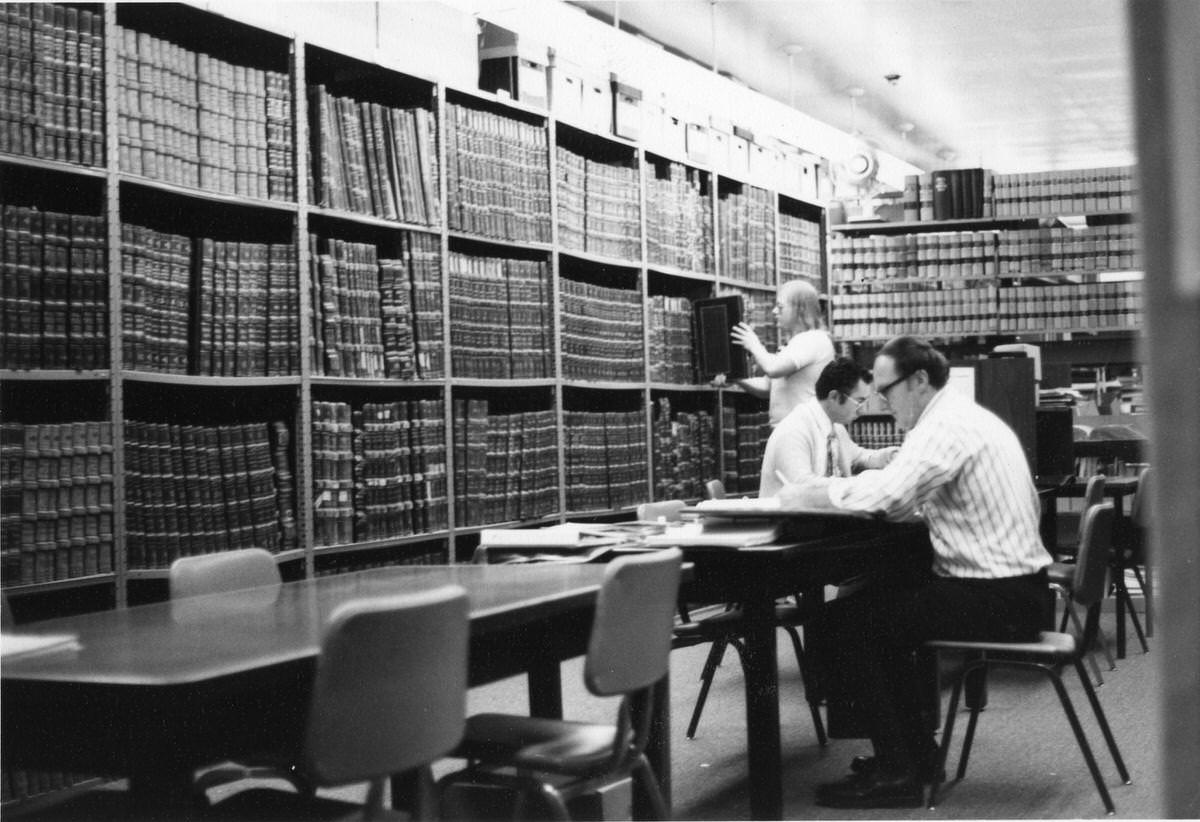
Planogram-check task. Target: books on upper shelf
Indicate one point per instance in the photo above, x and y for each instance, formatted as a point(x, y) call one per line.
point(54, 300)
point(679, 220)
point(601, 332)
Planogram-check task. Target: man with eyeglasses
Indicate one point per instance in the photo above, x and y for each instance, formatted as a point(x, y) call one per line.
point(961, 471)
point(812, 439)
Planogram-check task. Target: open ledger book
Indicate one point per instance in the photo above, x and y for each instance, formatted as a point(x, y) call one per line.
point(13, 646)
point(768, 507)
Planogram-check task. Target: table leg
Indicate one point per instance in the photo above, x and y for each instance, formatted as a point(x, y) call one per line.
point(658, 749)
point(762, 710)
point(545, 690)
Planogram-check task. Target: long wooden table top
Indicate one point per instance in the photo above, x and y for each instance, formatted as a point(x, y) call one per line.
point(205, 637)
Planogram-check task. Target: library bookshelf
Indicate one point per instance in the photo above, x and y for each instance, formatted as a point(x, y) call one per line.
point(261, 292)
point(1052, 261)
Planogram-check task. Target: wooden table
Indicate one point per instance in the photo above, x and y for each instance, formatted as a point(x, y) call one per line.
point(819, 551)
point(157, 690)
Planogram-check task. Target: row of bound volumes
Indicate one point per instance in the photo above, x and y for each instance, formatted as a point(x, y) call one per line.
point(498, 176)
point(931, 313)
point(373, 159)
point(1109, 306)
point(56, 501)
point(685, 452)
point(1073, 191)
point(53, 290)
point(201, 489)
point(601, 332)
point(501, 317)
point(948, 194)
point(374, 317)
point(746, 227)
point(506, 464)
point(743, 440)
point(1070, 307)
point(52, 82)
point(876, 433)
point(597, 208)
point(192, 119)
point(679, 217)
point(671, 340)
point(208, 307)
point(800, 249)
point(379, 470)
point(939, 256)
point(605, 455)
point(1093, 248)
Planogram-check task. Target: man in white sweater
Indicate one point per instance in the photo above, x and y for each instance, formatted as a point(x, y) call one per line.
point(962, 472)
point(812, 439)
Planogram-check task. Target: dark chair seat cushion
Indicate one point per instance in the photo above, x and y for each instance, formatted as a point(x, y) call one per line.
point(551, 745)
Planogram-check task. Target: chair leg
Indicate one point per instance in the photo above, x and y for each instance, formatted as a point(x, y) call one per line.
point(968, 739)
point(644, 777)
point(814, 705)
point(1102, 721)
point(716, 653)
point(944, 747)
point(554, 801)
point(1091, 657)
point(1147, 596)
point(1125, 602)
point(1065, 699)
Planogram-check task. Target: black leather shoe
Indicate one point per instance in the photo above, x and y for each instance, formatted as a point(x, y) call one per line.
point(865, 766)
point(876, 790)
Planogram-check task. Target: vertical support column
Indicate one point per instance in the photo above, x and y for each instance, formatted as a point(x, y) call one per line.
point(303, 416)
point(1166, 70)
point(116, 362)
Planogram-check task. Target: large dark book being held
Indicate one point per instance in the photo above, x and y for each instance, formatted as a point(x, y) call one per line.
point(716, 352)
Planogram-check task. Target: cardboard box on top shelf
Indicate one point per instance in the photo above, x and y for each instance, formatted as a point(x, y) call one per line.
point(720, 132)
point(739, 152)
point(627, 109)
point(697, 145)
point(565, 79)
point(512, 66)
point(597, 102)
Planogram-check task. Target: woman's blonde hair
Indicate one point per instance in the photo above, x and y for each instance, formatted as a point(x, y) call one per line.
point(805, 301)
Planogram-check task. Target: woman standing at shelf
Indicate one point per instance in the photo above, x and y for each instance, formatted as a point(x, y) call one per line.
point(791, 373)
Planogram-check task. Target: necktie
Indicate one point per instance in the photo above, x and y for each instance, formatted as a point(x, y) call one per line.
point(832, 468)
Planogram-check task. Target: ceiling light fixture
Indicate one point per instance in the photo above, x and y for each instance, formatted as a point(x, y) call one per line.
point(791, 50)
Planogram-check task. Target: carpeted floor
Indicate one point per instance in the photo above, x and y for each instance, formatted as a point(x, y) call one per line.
point(1024, 764)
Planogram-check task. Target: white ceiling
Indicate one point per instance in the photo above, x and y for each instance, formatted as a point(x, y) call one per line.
point(1011, 85)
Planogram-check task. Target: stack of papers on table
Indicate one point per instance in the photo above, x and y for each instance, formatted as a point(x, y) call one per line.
point(718, 533)
point(13, 646)
point(565, 536)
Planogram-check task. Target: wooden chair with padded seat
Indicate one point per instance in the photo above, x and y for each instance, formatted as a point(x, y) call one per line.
point(388, 698)
point(216, 573)
point(724, 629)
point(1047, 654)
point(627, 656)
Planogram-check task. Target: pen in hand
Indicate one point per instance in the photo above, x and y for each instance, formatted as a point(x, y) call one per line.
point(781, 477)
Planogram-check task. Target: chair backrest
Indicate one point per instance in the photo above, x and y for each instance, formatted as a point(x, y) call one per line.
point(635, 613)
point(1092, 558)
point(666, 511)
point(1092, 495)
point(714, 489)
point(222, 571)
point(390, 688)
point(1139, 509)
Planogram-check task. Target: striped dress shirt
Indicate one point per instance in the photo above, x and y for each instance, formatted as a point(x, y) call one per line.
point(962, 470)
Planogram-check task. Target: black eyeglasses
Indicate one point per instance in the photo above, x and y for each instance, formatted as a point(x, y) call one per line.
point(883, 392)
point(858, 401)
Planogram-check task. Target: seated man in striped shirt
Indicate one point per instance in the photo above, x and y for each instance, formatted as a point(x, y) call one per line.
point(962, 471)
point(812, 439)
